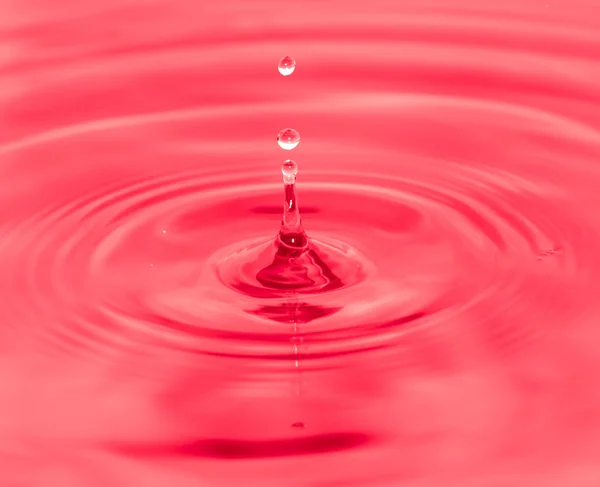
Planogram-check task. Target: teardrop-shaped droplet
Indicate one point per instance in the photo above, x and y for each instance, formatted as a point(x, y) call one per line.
point(287, 65)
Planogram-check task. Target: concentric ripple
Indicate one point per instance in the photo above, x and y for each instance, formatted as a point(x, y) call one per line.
point(149, 259)
point(448, 187)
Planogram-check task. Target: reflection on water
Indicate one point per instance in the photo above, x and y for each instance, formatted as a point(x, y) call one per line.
point(440, 327)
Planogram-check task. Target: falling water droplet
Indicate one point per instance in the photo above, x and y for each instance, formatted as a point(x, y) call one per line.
point(288, 139)
point(287, 65)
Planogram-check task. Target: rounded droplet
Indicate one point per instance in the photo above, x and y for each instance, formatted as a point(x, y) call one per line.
point(288, 139)
point(289, 169)
point(287, 65)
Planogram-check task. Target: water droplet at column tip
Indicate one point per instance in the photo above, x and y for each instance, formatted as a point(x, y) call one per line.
point(289, 169)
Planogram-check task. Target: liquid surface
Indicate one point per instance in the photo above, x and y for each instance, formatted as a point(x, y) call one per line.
point(439, 327)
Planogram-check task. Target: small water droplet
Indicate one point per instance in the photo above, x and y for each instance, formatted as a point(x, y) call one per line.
point(287, 65)
point(288, 139)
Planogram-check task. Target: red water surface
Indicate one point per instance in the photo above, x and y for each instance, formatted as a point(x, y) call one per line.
point(436, 325)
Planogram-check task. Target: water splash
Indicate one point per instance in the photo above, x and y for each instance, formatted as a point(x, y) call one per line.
point(291, 233)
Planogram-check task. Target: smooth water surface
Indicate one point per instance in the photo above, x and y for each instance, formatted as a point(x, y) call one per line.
point(439, 327)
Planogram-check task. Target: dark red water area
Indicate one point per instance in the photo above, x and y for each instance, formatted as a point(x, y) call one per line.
point(419, 309)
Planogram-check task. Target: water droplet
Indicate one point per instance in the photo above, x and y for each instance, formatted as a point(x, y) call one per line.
point(287, 65)
point(289, 169)
point(288, 139)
